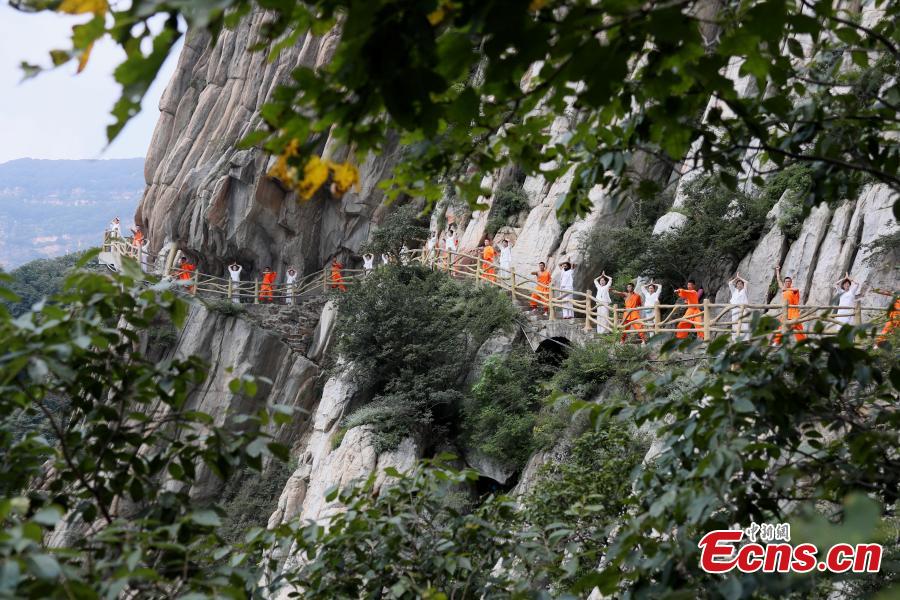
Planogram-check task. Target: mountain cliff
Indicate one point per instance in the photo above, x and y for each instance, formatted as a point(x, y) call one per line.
point(217, 203)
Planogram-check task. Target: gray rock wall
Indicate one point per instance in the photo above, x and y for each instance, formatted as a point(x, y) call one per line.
point(216, 202)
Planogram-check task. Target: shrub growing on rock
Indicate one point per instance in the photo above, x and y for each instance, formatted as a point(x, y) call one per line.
point(408, 333)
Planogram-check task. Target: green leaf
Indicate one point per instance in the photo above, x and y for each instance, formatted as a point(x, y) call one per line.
point(43, 566)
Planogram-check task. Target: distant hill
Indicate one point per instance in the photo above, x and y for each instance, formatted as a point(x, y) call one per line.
point(53, 207)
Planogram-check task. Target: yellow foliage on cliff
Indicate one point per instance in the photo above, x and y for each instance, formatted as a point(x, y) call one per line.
point(316, 172)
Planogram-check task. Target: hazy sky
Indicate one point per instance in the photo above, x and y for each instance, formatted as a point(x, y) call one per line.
point(59, 114)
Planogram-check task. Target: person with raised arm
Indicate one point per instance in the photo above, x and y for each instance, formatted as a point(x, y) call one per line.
point(290, 282)
point(368, 263)
point(540, 298)
point(847, 288)
point(186, 272)
point(893, 318)
point(114, 229)
point(505, 259)
point(137, 239)
point(567, 288)
point(739, 300)
point(690, 295)
point(451, 244)
point(603, 283)
point(791, 296)
point(385, 259)
point(265, 288)
point(632, 319)
point(487, 261)
point(234, 272)
point(651, 293)
point(337, 277)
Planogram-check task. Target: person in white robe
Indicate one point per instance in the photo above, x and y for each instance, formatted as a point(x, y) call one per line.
point(847, 289)
point(234, 272)
point(566, 287)
point(368, 263)
point(505, 260)
point(740, 318)
point(290, 282)
point(603, 283)
point(114, 229)
point(651, 293)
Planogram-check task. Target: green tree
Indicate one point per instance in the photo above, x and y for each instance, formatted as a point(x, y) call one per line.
point(474, 85)
point(403, 226)
point(115, 479)
point(500, 412)
point(408, 333)
point(765, 434)
point(42, 278)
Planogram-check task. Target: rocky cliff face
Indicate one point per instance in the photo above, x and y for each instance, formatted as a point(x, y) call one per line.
point(217, 203)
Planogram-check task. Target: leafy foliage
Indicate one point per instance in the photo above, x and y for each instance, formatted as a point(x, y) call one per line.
point(249, 498)
point(117, 473)
point(589, 368)
point(765, 434)
point(402, 226)
point(793, 186)
point(42, 278)
point(500, 413)
point(408, 332)
point(226, 308)
point(721, 227)
point(509, 202)
point(597, 471)
point(410, 541)
point(449, 77)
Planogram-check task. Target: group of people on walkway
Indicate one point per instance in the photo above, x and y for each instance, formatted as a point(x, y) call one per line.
point(640, 306)
point(495, 262)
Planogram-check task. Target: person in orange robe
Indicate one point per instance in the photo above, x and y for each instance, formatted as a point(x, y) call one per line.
point(265, 288)
point(541, 295)
point(632, 320)
point(487, 256)
point(691, 296)
point(137, 240)
point(791, 295)
point(893, 322)
point(337, 279)
point(186, 272)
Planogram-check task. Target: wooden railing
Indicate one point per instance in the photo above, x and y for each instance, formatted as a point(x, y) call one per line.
point(711, 319)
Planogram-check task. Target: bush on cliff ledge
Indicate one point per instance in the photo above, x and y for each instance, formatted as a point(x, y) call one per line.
point(409, 333)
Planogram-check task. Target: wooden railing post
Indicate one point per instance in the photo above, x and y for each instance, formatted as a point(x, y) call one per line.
point(324, 280)
point(230, 289)
point(512, 285)
point(256, 292)
point(550, 303)
point(478, 270)
point(194, 281)
point(706, 319)
point(657, 318)
point(857, 317)
point(587, 310)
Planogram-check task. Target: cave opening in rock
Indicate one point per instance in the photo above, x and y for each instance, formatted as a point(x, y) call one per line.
point(485, 486)
point(553, 351)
